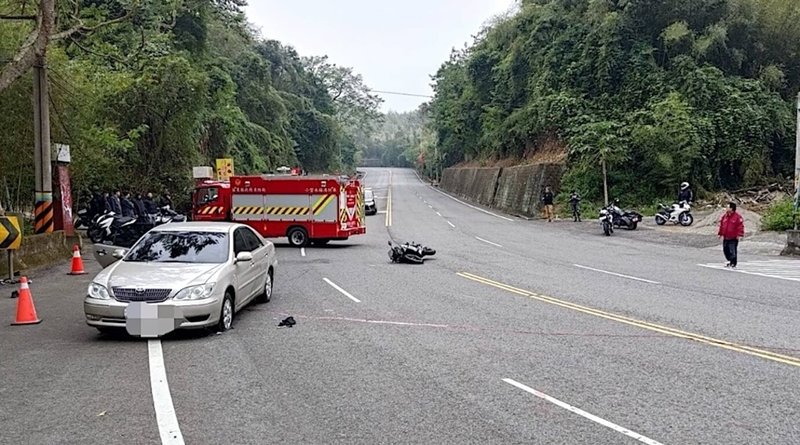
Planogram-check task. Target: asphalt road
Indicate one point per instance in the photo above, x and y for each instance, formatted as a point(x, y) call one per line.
point(515, 332)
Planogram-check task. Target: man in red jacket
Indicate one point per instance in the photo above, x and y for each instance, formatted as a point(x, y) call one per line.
point(731, 229)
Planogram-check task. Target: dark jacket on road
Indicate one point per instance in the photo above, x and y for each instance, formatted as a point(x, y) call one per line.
point(731, 226)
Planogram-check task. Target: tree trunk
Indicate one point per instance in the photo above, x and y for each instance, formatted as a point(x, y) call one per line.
point(34, 48)
point(605, 182)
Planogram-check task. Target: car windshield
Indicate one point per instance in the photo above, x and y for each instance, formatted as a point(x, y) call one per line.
point(368, 195)
point(180, 247)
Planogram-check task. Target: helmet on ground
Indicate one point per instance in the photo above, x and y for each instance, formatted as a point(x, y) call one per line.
point(684, 185)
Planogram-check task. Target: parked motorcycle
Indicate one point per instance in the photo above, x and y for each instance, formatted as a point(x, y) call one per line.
point(679, 213)
point(410, 253)
point(625, 219)
point(82, 219)
point(607, 221)
point(124, 231)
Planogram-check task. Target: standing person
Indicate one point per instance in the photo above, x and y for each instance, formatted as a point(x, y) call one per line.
point(138, 206)
point(731, 230)
point(128, 209)
point(166, 201)
point(149, 204)
point(547, 199)
point(116, 203)
point(575, 205)
point(686, 194)
point(107, 202)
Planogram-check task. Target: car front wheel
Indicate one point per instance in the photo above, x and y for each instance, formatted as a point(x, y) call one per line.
point(226, 313)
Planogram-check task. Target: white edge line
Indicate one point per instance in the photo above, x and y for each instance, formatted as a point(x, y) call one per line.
point(167, 421)
point(464, 203)
point(584, 414)
point(616, 274)
point(302, 251)
point(488, 242)
point(451, 224)
point(343, 292)
point(777, 277)
point(438, 213)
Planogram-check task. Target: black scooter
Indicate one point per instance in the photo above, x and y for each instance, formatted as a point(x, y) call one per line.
point(409, 253)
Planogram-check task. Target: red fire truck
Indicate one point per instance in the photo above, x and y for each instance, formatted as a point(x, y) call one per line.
point(306, 209)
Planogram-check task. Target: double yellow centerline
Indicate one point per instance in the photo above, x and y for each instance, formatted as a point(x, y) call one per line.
point(389, 202)
point(785, 359)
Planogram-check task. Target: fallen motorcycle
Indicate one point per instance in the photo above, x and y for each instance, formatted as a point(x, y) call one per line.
point(409, 253)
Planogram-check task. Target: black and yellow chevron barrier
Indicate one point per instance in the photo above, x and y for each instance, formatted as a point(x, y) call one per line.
point(295, 211)
point(211, 210)
point(248, 210)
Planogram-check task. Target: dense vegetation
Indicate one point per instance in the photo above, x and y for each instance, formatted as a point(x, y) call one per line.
point(662, 90)
point(399, 138)
point(163, 86)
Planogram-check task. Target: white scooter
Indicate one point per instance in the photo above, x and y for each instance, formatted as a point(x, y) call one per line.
point(679, 213)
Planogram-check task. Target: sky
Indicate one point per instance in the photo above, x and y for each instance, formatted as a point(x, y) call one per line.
point(395, 45)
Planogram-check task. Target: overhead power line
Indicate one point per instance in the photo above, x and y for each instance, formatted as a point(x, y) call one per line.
point(401, 94)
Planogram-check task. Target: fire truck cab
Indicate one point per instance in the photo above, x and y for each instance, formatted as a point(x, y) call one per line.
point(305, 209)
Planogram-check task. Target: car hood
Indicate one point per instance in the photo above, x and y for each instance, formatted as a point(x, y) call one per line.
point(175, 276)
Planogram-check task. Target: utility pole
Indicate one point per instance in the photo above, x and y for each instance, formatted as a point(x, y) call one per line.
point(797, 166)
point(43, 212)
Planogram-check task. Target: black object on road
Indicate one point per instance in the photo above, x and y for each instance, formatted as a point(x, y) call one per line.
point(288, 322)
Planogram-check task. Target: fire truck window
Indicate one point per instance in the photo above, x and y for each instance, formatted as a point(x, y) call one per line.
point(239, 243)
point(253, 243)
point(206, 195)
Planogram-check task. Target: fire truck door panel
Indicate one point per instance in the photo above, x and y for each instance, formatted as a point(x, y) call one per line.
point(287, 208)
point(247, 208)
point(324, 208)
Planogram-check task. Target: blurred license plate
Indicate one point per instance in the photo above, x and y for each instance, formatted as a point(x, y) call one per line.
point(150, 320)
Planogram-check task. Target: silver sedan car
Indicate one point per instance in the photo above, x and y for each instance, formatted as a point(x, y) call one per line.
point(182, 275)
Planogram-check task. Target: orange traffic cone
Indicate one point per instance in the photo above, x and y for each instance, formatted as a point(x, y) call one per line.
point(77, 262)
point(26, 312)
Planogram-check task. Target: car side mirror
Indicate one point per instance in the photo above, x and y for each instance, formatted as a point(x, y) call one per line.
point(244, 257)
point(119, 253)
point(390, 244)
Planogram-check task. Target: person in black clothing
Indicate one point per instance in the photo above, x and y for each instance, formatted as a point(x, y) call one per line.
point(548, 198)
point(97, 205)
point(138, 206)
point(150, 205)
point(686, 194)
point(166, 201)
point(114, 203)
point(575, 205)
point(128, 209)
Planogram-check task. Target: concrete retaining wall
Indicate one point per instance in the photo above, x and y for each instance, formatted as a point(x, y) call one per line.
point(476, 184)
point(792, 243)
point(38, 251)
point(515, 190)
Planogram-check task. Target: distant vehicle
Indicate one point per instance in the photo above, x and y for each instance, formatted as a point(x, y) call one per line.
point(679, 213)
point(182, 276)
point(607, 220)
point(370, 208)
point(305, 209)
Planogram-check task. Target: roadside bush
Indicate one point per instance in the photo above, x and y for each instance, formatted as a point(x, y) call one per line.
point(779, 216)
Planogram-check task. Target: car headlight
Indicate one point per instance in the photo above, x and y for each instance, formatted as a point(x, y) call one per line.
point(98, 292)
point(195, 292)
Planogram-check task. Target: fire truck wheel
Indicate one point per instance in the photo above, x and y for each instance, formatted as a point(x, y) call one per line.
point(298, 237)
point(266, 295)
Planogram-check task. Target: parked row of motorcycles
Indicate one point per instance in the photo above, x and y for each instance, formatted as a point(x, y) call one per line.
point(612, 217)
point(123, 231)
